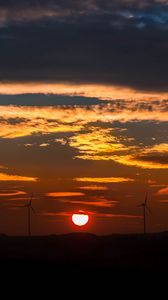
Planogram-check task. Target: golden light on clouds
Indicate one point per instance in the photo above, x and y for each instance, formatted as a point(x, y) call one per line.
point(104, 179)
point(89, 142)
point(98, 142)
point(12, 193)
point(29, 120)
point(100, 91)
point(151, 157)
point(101, 145)
point(94, 188)
point(163, 191)
point(161, 148)
point(135, 161)
point(7, 177)
point(65, 194)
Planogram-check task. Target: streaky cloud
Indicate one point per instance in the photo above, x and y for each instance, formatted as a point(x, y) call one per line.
point(163, 191)
point(64, 194)
point(96, 214)
point(104, 179)
point(9, 177)
point(94, 188)
point(98, 202)
point(12, 193)
point(18, 121)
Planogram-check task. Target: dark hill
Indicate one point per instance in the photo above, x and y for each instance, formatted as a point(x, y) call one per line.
point(115, 252)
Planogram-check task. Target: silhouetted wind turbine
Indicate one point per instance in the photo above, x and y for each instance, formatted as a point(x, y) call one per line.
point(145, 209)
point(29, 209)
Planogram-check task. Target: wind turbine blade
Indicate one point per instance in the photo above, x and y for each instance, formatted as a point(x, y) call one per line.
point(140, 205)
point(146, 198)
point(31, 198)
point(33, 210)
point(147, 207)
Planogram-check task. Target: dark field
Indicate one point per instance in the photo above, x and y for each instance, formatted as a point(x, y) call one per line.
point(78, 250)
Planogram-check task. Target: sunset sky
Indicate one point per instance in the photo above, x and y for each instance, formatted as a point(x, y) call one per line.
point(83, 114)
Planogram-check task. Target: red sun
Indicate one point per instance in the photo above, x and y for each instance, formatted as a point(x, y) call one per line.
point(80, 218)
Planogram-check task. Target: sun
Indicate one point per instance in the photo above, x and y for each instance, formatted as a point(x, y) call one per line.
point(80, 218)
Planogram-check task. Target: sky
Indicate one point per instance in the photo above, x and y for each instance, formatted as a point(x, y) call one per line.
point(83, 114)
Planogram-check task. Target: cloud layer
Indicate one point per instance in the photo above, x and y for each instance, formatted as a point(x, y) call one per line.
point(122, 43)
point(90, 131)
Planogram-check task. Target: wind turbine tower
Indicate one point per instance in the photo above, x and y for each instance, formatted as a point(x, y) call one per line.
point(146, 208)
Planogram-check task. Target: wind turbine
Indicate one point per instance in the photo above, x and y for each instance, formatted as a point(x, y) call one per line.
point(145, 209)
point(29, 210)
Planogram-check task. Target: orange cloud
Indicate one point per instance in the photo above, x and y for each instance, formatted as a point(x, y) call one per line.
point(94, 188)
point(135, 161)
point(13, 193)
point(7, 177)
point(100, 144)
point(3, 167)
point(19, 199)
point(91, 142)
point(104, 179)
point(65, 194)
point(74, 119)
point(97, 144)
point(154, 157)
point(163, 191)
point(161, 148)
point(100, 91)
point(151, 182)
point(44, 145)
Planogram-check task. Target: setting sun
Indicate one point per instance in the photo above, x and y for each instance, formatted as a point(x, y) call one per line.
point(80, 219)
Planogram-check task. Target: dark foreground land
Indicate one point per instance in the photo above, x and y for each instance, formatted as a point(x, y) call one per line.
point(79, 250)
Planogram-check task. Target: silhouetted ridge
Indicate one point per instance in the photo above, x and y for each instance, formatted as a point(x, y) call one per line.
point(117, 252)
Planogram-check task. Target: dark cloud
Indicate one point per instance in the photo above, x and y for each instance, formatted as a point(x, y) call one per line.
point(35, 9)
point(13, 121)
point(119, 10)
point(112, 42)
point(155, 158)
point(48, 100)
